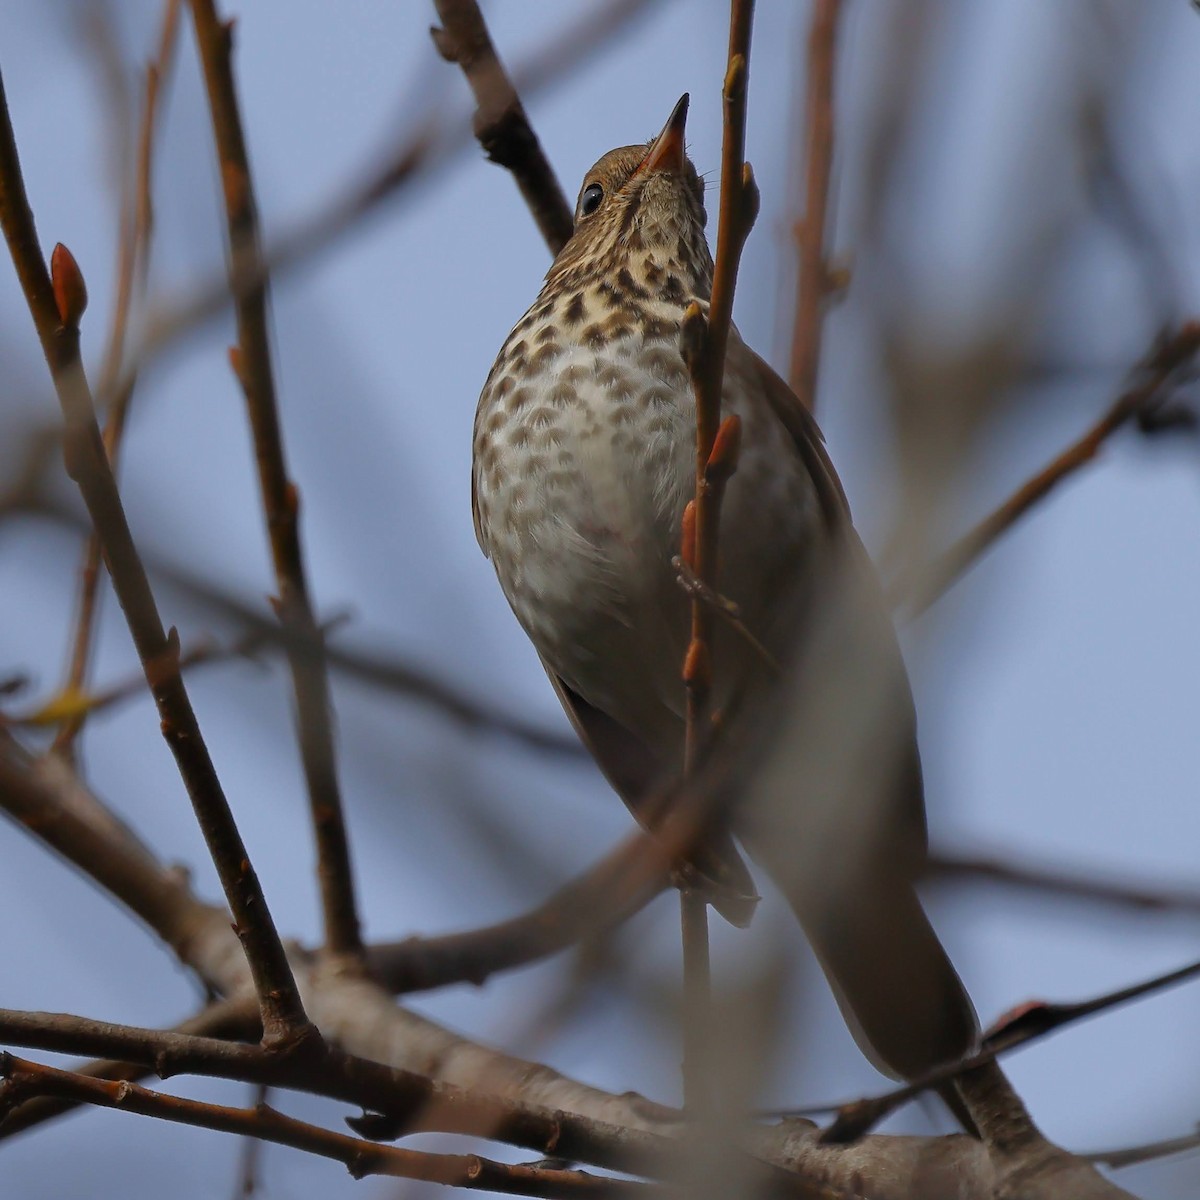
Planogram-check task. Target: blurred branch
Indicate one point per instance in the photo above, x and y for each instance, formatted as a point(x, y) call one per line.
point(815, 282)
point(1130, 1156)
point(132, 259)
point(703, 339)
point(500, 123)
point(252, 364)
point(56, 304)
point(73, 707)
point(1028, 1023)
point(227, 1019)
point(944, 867)
point(594, 903)
point(1143, 400)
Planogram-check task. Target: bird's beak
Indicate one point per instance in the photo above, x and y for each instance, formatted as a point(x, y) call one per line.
point(666, 154)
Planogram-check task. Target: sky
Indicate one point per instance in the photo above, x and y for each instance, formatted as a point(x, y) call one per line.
point(1056, 684)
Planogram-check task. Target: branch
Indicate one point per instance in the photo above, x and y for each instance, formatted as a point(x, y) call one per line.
point(132, 260)
point(361, 1157)
point(227, 1019)
point(1026, 1024)
point(500, 123)
point(56, 306)
point(252, 364)
point(1171, 355)
point(603, 897)
point(814, 284)
point(951, 868)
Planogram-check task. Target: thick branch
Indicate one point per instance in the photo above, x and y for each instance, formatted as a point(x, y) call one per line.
point(252, 362)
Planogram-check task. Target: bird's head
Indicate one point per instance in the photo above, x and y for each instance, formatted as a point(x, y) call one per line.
point(641, 202)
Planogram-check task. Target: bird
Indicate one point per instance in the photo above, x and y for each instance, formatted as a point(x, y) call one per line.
point(584, 447)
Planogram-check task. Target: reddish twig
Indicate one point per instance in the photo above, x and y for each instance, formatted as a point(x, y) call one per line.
point(500, 123)
point(704, 341)
point(1166, 359)
point(132, 259)
point(361, 1157)
point(814, 284)
point(252, 364)
point(56, 305)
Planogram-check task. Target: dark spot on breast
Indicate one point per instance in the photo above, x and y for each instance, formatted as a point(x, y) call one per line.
point(594, 336)
point(561, 394)
point(547, 333)
point(653, 272)
point(574, 310)
point(659, 331)
point(502, 386)
point(519, 399)
point(611, 296)
point(673, 290)
point(618, 325)
point(546, 355)
point(627, 281)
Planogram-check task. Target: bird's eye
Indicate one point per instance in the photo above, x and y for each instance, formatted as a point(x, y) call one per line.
point(589, 199)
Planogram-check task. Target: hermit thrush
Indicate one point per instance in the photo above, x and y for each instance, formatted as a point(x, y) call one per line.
point(584, 458)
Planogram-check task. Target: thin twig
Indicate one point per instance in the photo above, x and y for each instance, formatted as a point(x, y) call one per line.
point(1028, 1024)
point(235, 1019)
point(1070, 885)
point(361, 1157)
point(703, 344)
point(594, 903)
point(252, 363)
point(728, 610)
point(133, 246)
point(814, 284)
point(1155, 374)
point(429, 148)
point(1130, 1156)
point(500, 123)
point(75, 706)
point(56, 307)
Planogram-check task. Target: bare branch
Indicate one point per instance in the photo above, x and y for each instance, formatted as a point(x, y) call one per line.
point(132, 259)
point(500, 123)
point(56, 306)
point(1172, 354)
point(814, 284)
point(361, 1157)
point(252, 364)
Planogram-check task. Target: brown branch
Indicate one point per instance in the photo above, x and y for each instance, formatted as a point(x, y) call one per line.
point(727, 610)
point(427, 149)
point(1027, 1024)
point(814, 284)
point(361, 1157)
point(1172, 354)
point(500, 123)
point(703, 343)
point(56, 306)
point(952, 868)
point(72, 707)
point(132, 259)
point(226, 1019)
point(608, 893)
point(252, 364)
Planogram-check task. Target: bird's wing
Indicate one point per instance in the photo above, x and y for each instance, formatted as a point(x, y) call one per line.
point(715, 866)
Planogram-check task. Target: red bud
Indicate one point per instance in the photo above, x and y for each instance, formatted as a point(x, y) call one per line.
point(70, 292)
